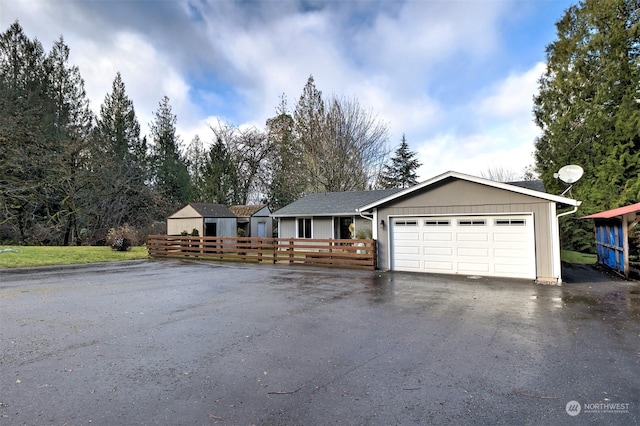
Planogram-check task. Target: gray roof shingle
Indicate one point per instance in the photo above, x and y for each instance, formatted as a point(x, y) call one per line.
point(212, 210)
point(333, 203)
point(535, 185)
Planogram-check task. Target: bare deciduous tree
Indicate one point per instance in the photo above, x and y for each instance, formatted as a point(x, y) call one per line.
point(249, 149)
point(500, 174)
point(344, 146)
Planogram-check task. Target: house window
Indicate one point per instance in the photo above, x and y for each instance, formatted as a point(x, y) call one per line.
point(304, 228)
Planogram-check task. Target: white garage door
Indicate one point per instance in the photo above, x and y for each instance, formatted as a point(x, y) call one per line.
point(498, 246)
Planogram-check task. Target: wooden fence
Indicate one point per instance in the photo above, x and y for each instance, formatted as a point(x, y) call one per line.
point(326, 252)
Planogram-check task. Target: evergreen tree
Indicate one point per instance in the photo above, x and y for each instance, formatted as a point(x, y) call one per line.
point(196, 163)
point(26, 111)
point(286, 183)
point(70, 141)
point(588, 109)
point(402, 170)
point(309, 119)
point(170, 175)
point(121, 165)
point(221, 176)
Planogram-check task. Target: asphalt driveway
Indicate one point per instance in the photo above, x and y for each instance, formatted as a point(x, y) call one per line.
point(177, 343)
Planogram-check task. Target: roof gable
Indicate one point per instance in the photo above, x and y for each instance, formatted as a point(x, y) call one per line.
point(332, 203)
point(443, 178)
point(203, 210)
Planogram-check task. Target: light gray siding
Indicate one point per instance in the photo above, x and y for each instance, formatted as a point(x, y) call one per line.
point(462, 197)
point(287, 228)
point(225, 227)
point(322, 227)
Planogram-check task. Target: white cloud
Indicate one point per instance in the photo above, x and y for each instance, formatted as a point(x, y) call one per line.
point(414, 64)
point(502, 137)
point(513, 96)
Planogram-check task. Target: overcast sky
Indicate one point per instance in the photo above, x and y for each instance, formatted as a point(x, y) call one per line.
point(456, 77)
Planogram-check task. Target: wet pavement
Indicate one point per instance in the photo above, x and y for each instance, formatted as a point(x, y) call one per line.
point(176, 343)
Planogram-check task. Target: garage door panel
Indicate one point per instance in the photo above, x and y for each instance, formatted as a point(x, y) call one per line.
point(507, 270)
point(437, 236)
point(468, 267)
point(438, 251)
point(514, 253)
point(467, 236)
point(500, 245)
point(408, 264)
point(473, 252)
point(442, 267)
point(509, 238)
point(406, 236)
point(408, 250)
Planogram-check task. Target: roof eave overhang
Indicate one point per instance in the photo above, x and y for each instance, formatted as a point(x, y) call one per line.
point(314, 214)
point(455, 175)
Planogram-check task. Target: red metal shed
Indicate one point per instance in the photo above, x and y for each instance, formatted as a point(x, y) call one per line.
point(612, 236)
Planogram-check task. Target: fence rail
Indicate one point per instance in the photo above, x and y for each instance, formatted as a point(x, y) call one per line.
point(345, 253)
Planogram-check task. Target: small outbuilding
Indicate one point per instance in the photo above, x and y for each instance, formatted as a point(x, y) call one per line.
point(210, 220)
point(613, 228)
point(254, 220)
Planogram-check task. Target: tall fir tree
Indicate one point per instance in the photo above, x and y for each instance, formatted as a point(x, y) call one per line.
point(220, 179)
point(121, 165)
point(588, 109)
point(169, 173)
point(402, 170)
point(309, 117)
point(73, 122)
point(287, 183)
point(196, 157)
point(26, 123)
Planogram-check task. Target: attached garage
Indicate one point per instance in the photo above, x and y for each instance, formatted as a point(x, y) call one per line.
point(460, 224)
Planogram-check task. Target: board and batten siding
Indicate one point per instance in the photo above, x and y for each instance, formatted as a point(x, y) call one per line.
point(468, 198)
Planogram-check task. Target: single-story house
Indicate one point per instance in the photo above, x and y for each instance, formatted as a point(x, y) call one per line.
point(612, 236)
point(327, 215)
point(452, 223)
point(255, 220)
point(210, 220)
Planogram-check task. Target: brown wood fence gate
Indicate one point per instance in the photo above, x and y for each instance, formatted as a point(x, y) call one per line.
point(348, 253)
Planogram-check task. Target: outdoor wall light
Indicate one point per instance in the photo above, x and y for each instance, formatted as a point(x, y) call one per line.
point(382, 222)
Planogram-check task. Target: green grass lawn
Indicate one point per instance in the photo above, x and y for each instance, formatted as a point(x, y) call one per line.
point(27, 256)
point(576, 257)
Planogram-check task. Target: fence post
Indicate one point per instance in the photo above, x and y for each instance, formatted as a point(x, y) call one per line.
point(290, 250)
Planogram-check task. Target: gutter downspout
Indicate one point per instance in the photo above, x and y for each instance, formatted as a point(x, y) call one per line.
point(575, 209)
point(365, 217)
point(556, 261)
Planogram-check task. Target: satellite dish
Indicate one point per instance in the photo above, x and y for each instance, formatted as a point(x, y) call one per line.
point(570, 174)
